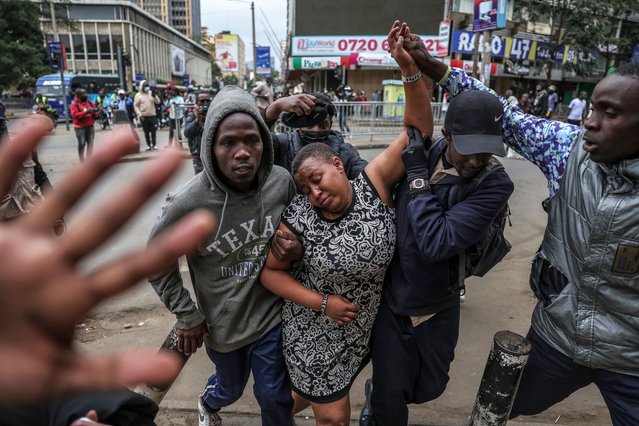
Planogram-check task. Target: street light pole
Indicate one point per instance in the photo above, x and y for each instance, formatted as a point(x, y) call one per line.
point(254, 46)
point(63, 87)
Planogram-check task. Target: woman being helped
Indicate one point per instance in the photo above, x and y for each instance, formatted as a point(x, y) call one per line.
point(348, 233)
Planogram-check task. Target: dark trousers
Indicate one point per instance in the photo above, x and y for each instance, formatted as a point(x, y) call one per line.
point(173, 123)
point(149, 125)
point(272, 387)
point(550, 377)
point(410, 364)
point(85, 140)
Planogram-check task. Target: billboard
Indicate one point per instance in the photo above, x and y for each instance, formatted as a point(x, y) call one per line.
point(178, 66)
point(226, 49)
point(489, 15)
point(263, 59)
point(345, 45)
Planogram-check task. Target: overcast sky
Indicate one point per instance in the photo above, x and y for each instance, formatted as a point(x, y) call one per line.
point(235, 16)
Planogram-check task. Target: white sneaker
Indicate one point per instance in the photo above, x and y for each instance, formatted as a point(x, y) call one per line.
point(206, 418)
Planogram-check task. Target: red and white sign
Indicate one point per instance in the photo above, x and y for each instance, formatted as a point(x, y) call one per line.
point(347, 45)
point(444, 39)
point(467, 66)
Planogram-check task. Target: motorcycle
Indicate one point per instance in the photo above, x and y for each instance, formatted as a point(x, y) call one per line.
point(106, 118)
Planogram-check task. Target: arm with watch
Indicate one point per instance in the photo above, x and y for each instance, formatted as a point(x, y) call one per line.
point(440, 233)
point(418, 116)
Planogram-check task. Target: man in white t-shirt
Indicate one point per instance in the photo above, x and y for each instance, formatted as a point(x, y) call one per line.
point(576, 109)
point(263, 93)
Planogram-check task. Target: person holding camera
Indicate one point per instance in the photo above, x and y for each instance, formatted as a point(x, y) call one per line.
point(311, 117)
point(194, 127)
point(83, 113)
point(145, 105)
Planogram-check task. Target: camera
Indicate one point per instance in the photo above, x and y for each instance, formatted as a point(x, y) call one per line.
point(204, 109)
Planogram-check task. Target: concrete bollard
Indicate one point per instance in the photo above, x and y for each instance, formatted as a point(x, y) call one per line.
point(506, 361)
point(156, 394)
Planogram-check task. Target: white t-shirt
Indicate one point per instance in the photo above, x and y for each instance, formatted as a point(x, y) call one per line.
point(576, 109)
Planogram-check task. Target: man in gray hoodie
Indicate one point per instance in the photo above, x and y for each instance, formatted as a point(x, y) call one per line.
point(236, 318)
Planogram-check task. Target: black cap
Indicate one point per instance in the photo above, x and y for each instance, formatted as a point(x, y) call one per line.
point(474, 121)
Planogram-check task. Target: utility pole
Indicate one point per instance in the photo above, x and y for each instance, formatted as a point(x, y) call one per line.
point(485, 58)
point(56, 38)
point(254, 46)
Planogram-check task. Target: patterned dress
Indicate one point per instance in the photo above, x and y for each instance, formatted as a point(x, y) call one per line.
point(347, 256)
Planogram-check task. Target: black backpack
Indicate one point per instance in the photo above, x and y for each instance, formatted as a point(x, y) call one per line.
point(482, 256)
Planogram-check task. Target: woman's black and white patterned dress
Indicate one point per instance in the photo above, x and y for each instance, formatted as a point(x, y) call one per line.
point(347, 256)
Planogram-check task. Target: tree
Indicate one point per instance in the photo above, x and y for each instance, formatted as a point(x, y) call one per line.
point(586, 25)
point(22, 53)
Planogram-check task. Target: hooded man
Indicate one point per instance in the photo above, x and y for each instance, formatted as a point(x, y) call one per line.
point(236, 318)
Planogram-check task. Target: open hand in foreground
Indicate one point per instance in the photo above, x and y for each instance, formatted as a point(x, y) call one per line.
point(43, 291)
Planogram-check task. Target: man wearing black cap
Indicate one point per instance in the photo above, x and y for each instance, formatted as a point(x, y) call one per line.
point(585, 275)
point(312, 117)
point(419, 314)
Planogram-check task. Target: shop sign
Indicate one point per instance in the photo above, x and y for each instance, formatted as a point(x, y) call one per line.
point(348, 44)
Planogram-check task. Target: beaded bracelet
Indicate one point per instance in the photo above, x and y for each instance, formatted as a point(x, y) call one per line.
point(412, 78)
point(324, 304)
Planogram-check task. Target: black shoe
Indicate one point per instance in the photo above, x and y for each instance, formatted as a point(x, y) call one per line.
point(366, 417)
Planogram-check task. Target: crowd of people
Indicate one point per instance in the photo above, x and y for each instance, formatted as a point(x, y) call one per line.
point(319, 261)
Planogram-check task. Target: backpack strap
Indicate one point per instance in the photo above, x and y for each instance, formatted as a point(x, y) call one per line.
point(460, 192)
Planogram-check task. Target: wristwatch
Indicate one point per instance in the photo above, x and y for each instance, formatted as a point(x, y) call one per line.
point(417, 184)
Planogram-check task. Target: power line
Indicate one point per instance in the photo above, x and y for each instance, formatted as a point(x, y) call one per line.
point(271, 28)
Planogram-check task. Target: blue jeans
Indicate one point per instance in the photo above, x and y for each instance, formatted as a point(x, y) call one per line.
point(272, 387)
point(410, 364)
point(550, 377)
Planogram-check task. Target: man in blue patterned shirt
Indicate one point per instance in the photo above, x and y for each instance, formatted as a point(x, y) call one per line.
point(585, 327)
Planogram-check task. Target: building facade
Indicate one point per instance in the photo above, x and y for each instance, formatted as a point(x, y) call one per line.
point(183, 15)
point(331, 43)
point(230, 55)
point(157, 52)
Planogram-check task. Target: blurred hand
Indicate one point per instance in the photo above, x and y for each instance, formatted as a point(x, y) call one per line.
point(340, 310)
point(190, 339)
point(286, 247)
point(44, 292)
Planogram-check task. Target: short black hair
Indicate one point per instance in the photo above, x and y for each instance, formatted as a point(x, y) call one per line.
point(325, 102)
point(312, 150)
point(629, 69)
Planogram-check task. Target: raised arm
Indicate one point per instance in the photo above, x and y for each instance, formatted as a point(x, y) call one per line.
point(387, 168)
point(545, 143)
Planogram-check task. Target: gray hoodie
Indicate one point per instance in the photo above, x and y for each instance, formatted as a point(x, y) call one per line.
point(225, 269)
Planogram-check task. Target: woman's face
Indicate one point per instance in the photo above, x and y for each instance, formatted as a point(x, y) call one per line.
point(325, 184)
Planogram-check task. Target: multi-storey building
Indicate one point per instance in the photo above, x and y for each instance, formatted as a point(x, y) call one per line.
point(330, 43)
point(183, 15)
point(156, 51)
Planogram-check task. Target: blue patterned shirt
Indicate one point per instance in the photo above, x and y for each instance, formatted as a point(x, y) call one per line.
point(546, 143)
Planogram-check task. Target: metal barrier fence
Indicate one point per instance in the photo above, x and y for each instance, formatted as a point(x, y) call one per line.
point(385, 118)
point(371, 118)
